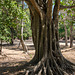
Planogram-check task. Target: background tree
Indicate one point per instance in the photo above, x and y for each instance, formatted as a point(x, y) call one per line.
point(24, 26)
point(4, 35)
point(66, 17)
point(63, 21)
point(9, 15)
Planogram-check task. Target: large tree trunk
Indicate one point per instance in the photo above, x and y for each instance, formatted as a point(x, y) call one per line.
point(65, 35)
point(48, 57)
point(71, 36)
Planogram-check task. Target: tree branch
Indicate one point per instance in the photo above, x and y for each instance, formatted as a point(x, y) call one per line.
point(56, 9)
point(36, 6)
point(30, 6)
point(63, 7)
point(49, 9)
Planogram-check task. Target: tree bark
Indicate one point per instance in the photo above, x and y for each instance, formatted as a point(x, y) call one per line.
point(71, 36)
point(21, 40)
point(1, 48)
point(23, 45)
point(48, 57)
point(65, 35)
point(64, 7)
point(12, 35)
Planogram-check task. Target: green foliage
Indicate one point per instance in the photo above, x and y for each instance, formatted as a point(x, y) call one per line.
point(67, 17)
point(4, 33)
point(66, 2)
point(8, 13)
point(27, 25)
point(10, 16)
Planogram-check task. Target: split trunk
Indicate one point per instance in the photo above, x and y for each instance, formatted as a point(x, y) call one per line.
point(44, 26)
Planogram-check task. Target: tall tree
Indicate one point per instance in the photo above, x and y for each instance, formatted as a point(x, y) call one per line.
point(23, 20)
point(44, 25)
point(22, 40)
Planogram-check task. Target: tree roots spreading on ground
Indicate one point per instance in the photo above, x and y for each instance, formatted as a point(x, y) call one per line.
point(52, 66)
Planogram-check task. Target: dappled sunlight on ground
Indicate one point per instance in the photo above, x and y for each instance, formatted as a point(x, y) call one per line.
point(13, 59)
point(69, 54)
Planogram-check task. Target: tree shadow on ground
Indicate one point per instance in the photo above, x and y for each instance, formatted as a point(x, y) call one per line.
point(69, 49)
point(6, 70)
point(63, 41)
point(12, 47)
point(16, 48)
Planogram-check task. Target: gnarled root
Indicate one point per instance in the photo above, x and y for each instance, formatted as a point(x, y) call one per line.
point(49, 66)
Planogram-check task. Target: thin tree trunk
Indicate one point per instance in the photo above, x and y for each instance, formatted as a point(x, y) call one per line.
point(23, 45)
point(1, 48)
point(11, 39)
point(65, 35)
point(21, 40)
point(71, 37)
point(19, 45)
point(12, 35)
point(22, 29)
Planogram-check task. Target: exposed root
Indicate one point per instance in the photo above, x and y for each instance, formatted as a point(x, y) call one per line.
point(55, 64)
point(49, 66)
point(70, 62)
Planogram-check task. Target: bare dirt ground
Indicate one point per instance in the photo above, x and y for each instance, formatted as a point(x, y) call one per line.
point(13, 58)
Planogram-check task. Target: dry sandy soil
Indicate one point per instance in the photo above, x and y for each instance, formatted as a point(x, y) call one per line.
point(12, 58)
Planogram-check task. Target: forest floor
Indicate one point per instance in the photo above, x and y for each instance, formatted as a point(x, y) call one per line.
point(13, 58)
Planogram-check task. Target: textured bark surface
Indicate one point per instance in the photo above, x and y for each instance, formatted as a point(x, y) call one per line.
point(12, 35)
point(66, 43)
point(71, 36)
point(23, 45)
point(48, 57)
point(1, 48)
